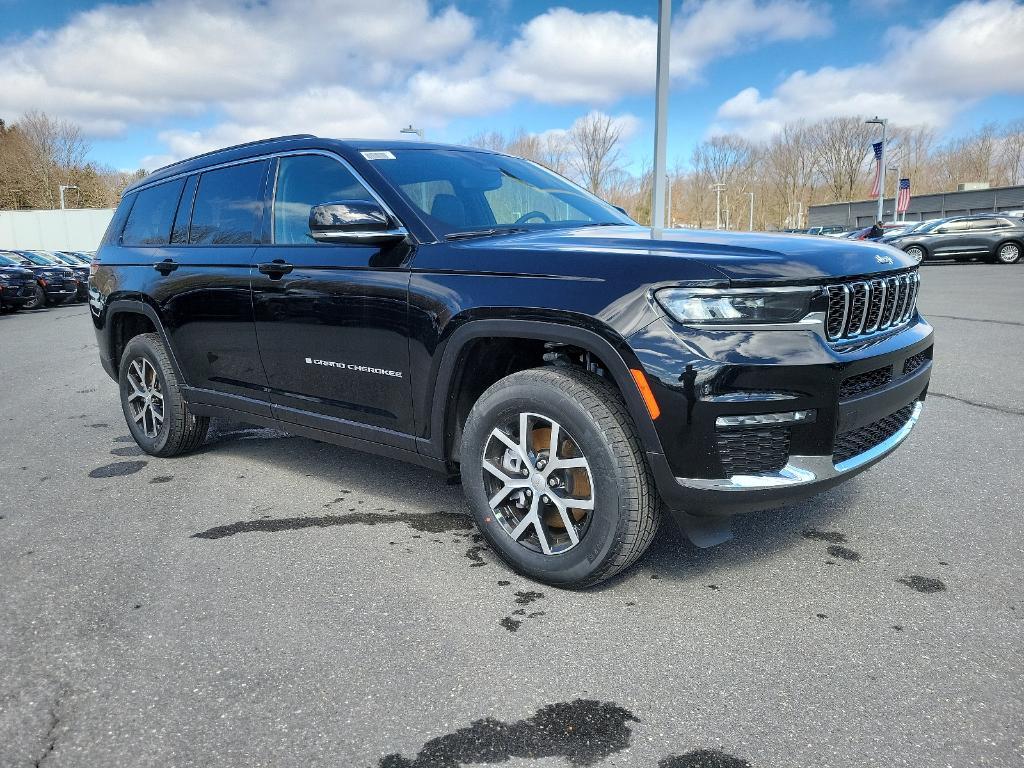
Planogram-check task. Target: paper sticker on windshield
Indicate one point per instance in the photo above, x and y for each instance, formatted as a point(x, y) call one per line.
point(378, 155)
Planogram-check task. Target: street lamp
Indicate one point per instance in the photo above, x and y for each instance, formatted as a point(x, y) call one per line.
point(751, 227)
point(718, 203)
point(876, 120)
point(410, 129)
point(63, 188)
point(661, 119)
point(896, 194)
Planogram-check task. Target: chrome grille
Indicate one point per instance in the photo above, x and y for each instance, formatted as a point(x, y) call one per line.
point(862, 307)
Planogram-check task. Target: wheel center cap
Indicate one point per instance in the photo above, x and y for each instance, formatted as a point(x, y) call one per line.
point(537, 481)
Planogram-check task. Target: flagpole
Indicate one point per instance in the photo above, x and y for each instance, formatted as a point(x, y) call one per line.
point(876, 120)
point(896, 195)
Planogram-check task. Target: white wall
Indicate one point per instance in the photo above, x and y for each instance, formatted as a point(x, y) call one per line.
point(76, 229)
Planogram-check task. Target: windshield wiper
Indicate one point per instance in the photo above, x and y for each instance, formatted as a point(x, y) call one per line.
point(484, 232)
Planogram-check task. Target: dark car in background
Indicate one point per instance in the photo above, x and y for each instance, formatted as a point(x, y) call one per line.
point(990, 237)
point(55, 283)
point(17, 284)
point(80, 267)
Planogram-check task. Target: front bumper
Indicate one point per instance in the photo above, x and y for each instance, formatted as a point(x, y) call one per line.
point(716, 376)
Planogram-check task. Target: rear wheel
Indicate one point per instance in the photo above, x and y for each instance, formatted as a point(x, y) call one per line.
point(916, 252)
point(556, 477)
point(156, 413)
point(1008, 253)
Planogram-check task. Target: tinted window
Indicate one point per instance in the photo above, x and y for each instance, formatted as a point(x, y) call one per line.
point(228, 205)
point(954, 226)
point(179, 234)
point(149, 223)
point(304, 181)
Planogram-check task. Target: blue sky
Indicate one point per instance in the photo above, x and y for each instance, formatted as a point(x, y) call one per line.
point(161, 79)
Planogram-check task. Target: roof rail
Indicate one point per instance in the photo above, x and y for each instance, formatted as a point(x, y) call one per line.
point(234, 146)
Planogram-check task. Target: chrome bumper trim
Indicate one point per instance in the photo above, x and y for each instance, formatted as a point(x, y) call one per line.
point(801, 470)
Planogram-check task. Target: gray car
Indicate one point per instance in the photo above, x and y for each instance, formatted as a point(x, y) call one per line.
point(993, 238)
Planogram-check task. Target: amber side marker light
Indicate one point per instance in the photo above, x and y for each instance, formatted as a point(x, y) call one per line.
point(645, 392)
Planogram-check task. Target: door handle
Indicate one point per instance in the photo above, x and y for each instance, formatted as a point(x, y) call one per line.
point(275, 269)
point(165, 267)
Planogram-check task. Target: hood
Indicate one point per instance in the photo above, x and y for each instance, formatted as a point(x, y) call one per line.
point(739, 256)
point(19, 272)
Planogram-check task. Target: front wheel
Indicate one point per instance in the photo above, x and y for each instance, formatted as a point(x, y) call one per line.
point(38, 298)
point(156, 413)
point(1008, 253)
point(556, 477)
point(916, 252)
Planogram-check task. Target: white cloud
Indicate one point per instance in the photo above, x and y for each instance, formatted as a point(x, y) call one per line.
point(566, 56)
point(928, 75)
point(349, 67)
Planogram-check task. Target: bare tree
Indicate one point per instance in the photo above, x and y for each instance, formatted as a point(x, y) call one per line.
point(840, 146)
point(596, 141)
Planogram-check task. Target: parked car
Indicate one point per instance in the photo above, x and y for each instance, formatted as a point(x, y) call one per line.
point(994, 238)
point(17, 285)
point(55, 283)
point(475, 313)
point(80, 267)
point(832, 229)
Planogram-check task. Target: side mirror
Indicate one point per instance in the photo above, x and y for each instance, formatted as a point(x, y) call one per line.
point(353, 221)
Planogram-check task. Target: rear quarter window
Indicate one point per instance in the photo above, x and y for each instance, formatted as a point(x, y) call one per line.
point(149, 222)
point(228, 205)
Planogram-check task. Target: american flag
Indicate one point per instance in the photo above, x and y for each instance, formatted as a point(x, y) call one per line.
point(877, 146)
point(903, 198)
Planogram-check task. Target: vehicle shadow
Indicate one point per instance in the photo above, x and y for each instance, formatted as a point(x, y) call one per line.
point(410, 490)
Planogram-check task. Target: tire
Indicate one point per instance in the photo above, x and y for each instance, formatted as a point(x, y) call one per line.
point(178, 430)
point(38, 299)
point(1008, 253)
point(917, 253)
point(593, 426)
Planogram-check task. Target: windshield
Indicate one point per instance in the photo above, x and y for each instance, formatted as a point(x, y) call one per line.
point(12, 259)
point(38, 258)
point(466, 191)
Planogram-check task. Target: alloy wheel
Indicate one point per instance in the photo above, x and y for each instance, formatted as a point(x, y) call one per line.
point(38, 299)
point(146, 399)
point(539, 483)
point(1009, 253)
point(917, 254)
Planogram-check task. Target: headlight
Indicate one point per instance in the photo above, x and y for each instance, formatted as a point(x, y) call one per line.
point(735, 306)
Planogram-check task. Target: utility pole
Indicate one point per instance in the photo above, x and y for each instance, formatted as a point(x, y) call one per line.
point(661, 116)
point(876, 120)
point(751, 227)
point(62, 189)
point(718, 203)
point(896, 193)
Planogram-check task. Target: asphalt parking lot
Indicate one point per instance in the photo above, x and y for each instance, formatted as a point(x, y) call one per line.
point(275, 601)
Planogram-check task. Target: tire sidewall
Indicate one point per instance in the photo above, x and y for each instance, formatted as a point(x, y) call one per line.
point(999, 249)
point(142, 348)
point(586, 560)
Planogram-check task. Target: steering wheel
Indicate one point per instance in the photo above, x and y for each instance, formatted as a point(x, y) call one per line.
point(533, 215)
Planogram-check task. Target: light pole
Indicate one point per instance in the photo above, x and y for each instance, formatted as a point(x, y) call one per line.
point(896, 194)
point(661, 117)
point(63, 188)
point(876, 120)
point(668, 213)
point(751, 227)
point(718, 203)
point(410, 129)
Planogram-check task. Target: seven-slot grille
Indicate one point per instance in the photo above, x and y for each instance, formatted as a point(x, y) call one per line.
point(863, 307)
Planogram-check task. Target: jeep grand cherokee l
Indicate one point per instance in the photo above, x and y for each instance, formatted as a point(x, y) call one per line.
point(54, 284)
point(475, 313)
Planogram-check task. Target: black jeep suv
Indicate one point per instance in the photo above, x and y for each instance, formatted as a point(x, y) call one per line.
point(54, 283)
point(475, 313)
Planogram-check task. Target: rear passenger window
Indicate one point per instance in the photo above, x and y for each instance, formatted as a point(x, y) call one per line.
point(304, 181)
point(228, 205)
point(149, 223)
